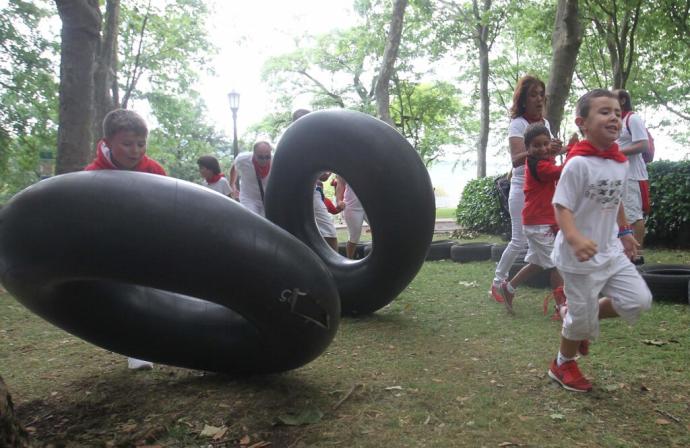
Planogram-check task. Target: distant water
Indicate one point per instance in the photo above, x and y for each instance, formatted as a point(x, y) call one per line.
point(450, 179)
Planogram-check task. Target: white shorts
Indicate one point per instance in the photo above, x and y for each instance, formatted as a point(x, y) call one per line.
point(619, 280)
point(354, 218)
point(540, 240)
point(632, 201)
point(323, 219)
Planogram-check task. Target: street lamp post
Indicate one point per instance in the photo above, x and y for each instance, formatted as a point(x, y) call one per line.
point(234, 99)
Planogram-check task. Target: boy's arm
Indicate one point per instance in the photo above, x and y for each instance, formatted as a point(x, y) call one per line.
point(625, 233)
point(636, 148)
point(234, 193)
point(583, 247)
point(549, 171)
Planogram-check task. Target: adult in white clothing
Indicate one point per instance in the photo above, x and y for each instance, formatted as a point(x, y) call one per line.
point(633, 141)
point(253, 169)
point(527, 108)
point(353, 213)
point(209, 169)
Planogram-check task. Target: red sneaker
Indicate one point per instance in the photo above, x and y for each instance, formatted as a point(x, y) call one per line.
point(494, 293)
point(506, 296)
point(569, 376)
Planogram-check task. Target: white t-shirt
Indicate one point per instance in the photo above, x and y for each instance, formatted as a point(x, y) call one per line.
point(592, 188)
point(222, 186)
point(516, 128)
point(249, 185)
point(636, 133)
point(324, 221)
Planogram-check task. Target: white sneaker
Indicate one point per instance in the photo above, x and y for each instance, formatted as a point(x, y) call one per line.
point(138, 364)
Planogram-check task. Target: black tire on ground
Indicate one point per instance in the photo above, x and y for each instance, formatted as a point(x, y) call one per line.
point(147, 266)
point(667, 281)
point(540, 280)
point(439, 250)
point(398, 200)
point(462, 253)
point(497, 251)
point(360, 250)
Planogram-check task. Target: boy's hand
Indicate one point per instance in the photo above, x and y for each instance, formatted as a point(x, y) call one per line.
point(584, 248)
point(630, 246)
point(234, 193)
point(556, 146)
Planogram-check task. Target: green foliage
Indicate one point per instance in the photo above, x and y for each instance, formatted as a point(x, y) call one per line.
point(182, 136)
point(669, 220)
point(28, 94)
point(479, 207)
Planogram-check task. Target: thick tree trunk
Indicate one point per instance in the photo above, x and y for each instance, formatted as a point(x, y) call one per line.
point(390, 54)
point(81, 27)
point(12, 434)
point(105, 77)
point(565, 41)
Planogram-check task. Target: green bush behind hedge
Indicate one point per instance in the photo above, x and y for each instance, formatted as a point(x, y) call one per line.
point(479, 208)
point(669, 191)
point(668, 223)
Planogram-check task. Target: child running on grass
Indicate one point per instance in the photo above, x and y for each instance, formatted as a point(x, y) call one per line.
point(595, 244)
point(123, 147)
point(539, 222)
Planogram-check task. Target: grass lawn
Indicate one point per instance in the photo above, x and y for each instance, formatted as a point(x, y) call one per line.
point(448, 212)
point(442, 366)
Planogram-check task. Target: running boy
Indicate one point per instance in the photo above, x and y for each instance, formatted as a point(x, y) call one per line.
point(595, 244)
point(539, 222)
point(123, 147)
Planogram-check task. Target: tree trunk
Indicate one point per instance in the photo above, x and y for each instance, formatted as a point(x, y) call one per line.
point(481, 38)
point(105, 77)
point(390, 54)
point(81, 27)
point(12, 434)
point(565, 41)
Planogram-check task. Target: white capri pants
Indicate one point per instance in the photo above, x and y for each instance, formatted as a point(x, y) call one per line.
point(354, 218)
point(619, 280)
point(518, 241)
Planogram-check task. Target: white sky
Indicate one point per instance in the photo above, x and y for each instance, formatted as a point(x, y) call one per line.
point(247, 34)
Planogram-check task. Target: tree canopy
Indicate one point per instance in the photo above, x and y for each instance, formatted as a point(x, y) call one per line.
point(448, 88)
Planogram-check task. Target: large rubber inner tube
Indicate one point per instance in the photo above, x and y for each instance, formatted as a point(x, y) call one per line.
point(168, 271)
point(667, 281)
point(388, 177)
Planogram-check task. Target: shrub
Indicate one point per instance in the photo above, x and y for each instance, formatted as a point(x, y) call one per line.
point(479, 208)
point(669, 190)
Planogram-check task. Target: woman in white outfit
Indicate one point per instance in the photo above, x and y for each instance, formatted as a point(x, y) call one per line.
point(528, 107)
point(353, 213)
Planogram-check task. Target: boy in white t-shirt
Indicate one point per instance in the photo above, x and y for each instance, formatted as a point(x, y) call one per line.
point(595, 244)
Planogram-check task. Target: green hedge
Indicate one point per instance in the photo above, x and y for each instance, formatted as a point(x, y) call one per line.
point(479, 208)
point(668, 223)
point(669, 191)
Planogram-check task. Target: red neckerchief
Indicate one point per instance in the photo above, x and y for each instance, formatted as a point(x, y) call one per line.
point(625, 114)
point(585, 148)
point(262, 171)
point(215, 178)
point(535, 119)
